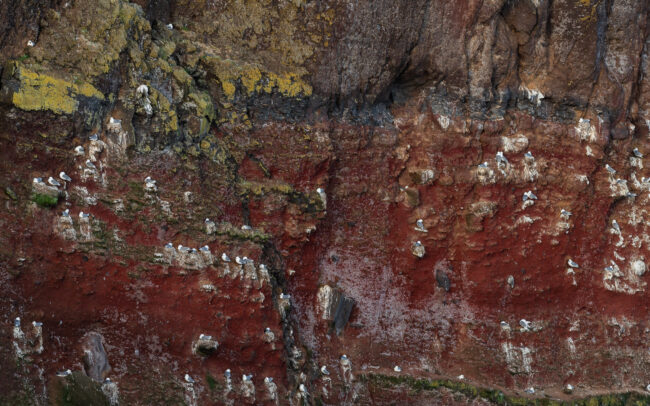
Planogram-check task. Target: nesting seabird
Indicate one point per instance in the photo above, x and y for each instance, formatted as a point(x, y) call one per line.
point(483, 165)
point(184, 249)
point(344, 357)
point(79, 150)
point(610, 169)
point(572, 264)
point(529, 155)
point(142, 90)
point(504, 325)
point(565, 214)
point(53, 182)
point(169, 245)
point(268, 379)
point(529, 196)
point(284, 297)
point(568, 388)
point(205, 337)
point(227, 373)
point(207, 220)
point(205, 248)
point(66, 213)
point(397, 368)
point(61, 374)
point(170, 26)
point(631, 195)
point(609, 268)
point(90, 164)
point(530, 390)
point(247, 378)
point(637, 153)
point(65, 177)
point(17, 322)
point(225, 257)
point(615, 226)
point(30, 43)
point(83, 215)
point(324, 371)
point(246, 227)
point(500, 158)
point(525, 324)
point(188, 378)
point(239, 260)
point(37, 324)
point(38, 180)
point(113, 120)
point(107, 380)
point(419, 226)
point(94, 137)
point(621, 181)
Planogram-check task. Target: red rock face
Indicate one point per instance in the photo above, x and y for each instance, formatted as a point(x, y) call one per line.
point(444, 204)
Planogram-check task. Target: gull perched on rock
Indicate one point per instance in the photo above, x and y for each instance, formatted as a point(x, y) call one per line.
point(637, 153)
point(247, 377)
point(565, 214)
point(616, 227)
point(30, 43)
point(525, 324)
point(94, 137)
point(572, 264)
point(225, 257)
point(397, 368)
point(504, 325)
point(65, 177)
point(170, 26)
point(324, 371)
point(418, 249)
point(17, 322)
point(610, 169)
point(530, 390)
point(246, 227)
point(188, 378)
point(501, 159)
point(38, 180)
point(37, 324)
point(90, 164)
point(142, 90)
point(66, 213)
point(83, 215)
point(529, 196)
point(529, 155)
point(419, 226)
point(53, 182)
point(61, 374)
point(483, 165)
point(239, 261)
point(79, 150)
point(184, 249)
point(205, 337)
point(205, 248)
point(169, 245)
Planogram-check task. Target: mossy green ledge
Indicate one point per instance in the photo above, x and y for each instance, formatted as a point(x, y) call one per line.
point(33, 91)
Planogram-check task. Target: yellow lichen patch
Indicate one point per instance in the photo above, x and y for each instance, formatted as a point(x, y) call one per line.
point(42, 92)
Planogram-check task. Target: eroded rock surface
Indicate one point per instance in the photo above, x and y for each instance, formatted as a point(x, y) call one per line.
point(333, 202)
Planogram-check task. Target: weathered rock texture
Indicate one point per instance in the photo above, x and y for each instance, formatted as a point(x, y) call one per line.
point(251, 202)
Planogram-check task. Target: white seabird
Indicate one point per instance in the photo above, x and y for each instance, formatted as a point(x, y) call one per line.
point(573, 264)
point(565, 214)
point(17, 322)
point(205, 248)
point(37, 324)
point(205, 337)
point(142, 90)
point(30, 43)
point(83, 215)
point(227, 373)
point(419, 226)
point(66, 213)
point(397, 368)
point(324, 371)
point(483, 165)
point(529, 155)
point(637, 153)
point(246, 227)
point(529, 196)
point(90, 164)
point(38, 180)
point(53, 182)
point(504, 325)
point(170, 26)
point(610, 169)
point(615, 226)
point(65, 177)
point(94, 137)
point(188, 378)
point(169, 245)
point(530, 390)
point(268, 379)
point(525, 324)
point(500, 158)
point(113, 120)
point(79, 150)
point(225, 257)
point(246, 378)
point(239, 261)
point(61, 374)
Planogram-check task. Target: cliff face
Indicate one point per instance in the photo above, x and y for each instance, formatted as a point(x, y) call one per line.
point(387, 202)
